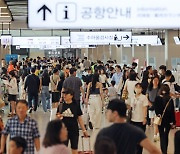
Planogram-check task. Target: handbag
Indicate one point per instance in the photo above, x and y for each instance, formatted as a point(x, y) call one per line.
point(125, 95)
point(158, 118)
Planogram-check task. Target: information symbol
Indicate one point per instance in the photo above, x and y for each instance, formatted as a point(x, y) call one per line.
point(66, 12)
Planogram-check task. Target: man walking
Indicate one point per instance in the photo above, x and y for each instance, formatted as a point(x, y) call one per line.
point(22, 126)
point(125, 136)
point(32, 85)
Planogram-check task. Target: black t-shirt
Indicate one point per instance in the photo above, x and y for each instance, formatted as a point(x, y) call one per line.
point(125, 136)
point(70, 113)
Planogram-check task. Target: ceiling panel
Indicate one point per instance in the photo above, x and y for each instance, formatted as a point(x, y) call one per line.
point(18, 9)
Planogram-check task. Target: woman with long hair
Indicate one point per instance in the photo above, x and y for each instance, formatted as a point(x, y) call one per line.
point(168, 120)
point(12, 92)
point(95, 99)
point(130, 86)
point(55, 136)
point(152, 93)
point(44, 86)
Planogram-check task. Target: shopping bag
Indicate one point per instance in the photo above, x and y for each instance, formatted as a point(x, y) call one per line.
point(53, 114)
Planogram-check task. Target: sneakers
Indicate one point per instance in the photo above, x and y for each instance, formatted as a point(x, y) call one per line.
point(30, 110)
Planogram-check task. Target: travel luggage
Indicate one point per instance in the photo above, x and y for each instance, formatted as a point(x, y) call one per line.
point(84, 151)
point(177, 115)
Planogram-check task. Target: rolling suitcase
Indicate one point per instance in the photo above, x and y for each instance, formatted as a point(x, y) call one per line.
point(84, 151)
point(177, 115)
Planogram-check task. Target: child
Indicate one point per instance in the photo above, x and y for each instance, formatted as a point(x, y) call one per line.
point(112, 93)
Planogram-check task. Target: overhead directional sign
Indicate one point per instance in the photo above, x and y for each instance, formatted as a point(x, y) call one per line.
point(36, 41)
point(43, 9)
point(100, 38)
point(145, 39)
point(76, 14)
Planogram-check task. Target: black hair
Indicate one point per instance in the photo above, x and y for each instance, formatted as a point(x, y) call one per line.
point(164, 90)
point(55, 70)
point(33, 69)
point(162, 67)
point(118, 66)
point(104, 145)
point(20, 142)
point(138, 84)
point(113, 82)
point(132, 75)
point(172, 79)
point(148, 68)
point(12, 73)
point(168, 73)
point(52, 133)
point(95, 79)
point(45, 73)
point(23, 101)
point(150, 87)
point(72, 70)
point(119, 106)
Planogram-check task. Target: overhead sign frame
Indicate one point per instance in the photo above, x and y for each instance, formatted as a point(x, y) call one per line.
point(106, 14)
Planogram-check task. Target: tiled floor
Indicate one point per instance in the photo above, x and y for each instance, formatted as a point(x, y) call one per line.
point(43, 118)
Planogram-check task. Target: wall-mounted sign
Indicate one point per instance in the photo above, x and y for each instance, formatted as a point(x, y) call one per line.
point(40, 41)
point(100, 38)
point(6, 39)
point(106, 14)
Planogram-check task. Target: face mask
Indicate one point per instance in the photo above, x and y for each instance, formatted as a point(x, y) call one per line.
point(138, 91)
point(21, 67)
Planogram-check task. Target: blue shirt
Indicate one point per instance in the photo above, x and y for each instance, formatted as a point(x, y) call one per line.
point(28, 130)
point(116, 77)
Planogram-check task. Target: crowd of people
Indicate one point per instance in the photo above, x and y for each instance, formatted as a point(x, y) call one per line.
point(64, 87)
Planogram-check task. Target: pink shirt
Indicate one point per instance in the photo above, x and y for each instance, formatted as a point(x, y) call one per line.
point(56, 149)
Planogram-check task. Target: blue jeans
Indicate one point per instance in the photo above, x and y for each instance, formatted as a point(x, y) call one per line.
point(45, 98)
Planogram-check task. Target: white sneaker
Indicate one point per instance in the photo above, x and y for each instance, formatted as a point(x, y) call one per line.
point(30, 110)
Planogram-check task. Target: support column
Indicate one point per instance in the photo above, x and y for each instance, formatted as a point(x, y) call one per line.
point(147, 54)
point(166, 47)
point(121, 53)
point(133, 56)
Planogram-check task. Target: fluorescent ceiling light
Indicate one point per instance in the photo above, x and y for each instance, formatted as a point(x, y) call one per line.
point(126, 45)
point(5, 16)
point(3, 7)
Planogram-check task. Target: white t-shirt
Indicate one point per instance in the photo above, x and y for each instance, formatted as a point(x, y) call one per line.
point(137, 105)
point(130, 87)
point(13, 89)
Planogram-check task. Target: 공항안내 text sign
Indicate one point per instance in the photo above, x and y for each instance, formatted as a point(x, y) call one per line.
point(106, 14)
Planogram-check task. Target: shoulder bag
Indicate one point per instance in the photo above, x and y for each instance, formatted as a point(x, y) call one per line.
point(158, 118)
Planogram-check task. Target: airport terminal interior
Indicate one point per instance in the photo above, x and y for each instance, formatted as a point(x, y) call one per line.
point(71, 60)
